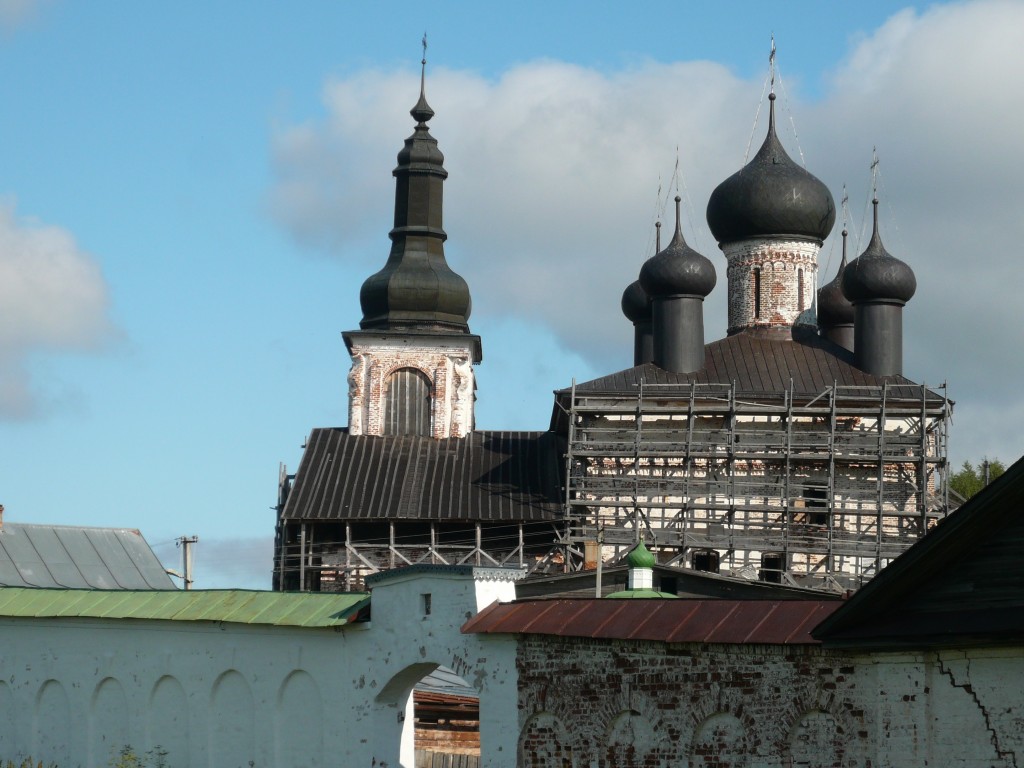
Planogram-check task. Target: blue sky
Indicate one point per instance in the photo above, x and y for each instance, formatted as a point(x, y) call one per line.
point(192, 193)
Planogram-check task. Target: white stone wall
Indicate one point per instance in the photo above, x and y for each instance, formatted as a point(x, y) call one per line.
point(75, 691)
point(784, 265)
point(447, 365)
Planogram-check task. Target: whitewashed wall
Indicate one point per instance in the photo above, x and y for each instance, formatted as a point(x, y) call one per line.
point(75, 691)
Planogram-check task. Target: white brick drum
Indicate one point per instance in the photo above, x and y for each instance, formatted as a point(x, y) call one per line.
point(772, 282)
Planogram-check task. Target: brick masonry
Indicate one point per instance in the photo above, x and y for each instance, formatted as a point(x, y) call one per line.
point(585, 702)
point(447, 366)
point(785, 266)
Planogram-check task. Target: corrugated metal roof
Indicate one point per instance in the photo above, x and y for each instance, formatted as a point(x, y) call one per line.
point(287, 609)
point(771, 361)
point(78, 557)
point(783, 622)
point(486, 476)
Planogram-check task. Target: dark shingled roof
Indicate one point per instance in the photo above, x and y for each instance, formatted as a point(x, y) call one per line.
point(487, 476)
point(763, 361)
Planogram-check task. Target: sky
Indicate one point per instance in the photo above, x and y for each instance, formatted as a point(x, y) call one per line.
point(192, 193)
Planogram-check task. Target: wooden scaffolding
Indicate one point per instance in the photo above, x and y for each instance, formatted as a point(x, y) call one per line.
point(818, 489)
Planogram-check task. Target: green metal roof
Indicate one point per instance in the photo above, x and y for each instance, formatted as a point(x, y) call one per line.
point(283, 609)
point(639, 594)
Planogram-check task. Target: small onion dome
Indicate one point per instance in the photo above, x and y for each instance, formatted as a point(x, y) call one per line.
point(678, 270)
point(771, 195)
point(636, 304)
point(876, 275)
point(833, 307)
point(640, 557)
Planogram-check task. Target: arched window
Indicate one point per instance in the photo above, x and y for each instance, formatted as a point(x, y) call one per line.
point(407, 403)
point(757, 292)
point(800, 289)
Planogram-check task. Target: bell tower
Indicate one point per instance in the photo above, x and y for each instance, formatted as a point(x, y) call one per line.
point(413, 357)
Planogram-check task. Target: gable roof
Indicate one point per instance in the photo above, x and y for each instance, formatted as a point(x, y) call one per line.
point(78, 557)
point(963, 583)
point(486, 476)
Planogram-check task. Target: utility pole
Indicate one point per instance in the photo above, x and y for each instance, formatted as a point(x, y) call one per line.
point(186, 542)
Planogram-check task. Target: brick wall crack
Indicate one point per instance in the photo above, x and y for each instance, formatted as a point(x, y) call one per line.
point(1010, 755)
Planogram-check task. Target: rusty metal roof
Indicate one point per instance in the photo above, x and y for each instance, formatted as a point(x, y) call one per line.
point(486, 476)
point(764, 361)
point(781, 622)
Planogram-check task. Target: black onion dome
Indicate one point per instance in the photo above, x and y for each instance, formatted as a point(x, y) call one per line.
point(416, 289)
point(636, 304)
point(678, 269)
point(833, 307)
point(876, 275)
point(771, 195)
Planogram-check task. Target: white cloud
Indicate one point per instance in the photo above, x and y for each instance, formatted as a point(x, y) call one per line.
point(52, 299)
point(554, 172)
point(14, 13)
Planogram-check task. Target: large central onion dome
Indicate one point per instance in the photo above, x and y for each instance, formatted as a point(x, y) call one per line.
point(771, 196)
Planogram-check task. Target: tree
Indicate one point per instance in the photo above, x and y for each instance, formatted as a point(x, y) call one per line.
point(970, 479)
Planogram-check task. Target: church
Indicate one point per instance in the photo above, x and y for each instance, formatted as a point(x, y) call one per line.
point(791, 451)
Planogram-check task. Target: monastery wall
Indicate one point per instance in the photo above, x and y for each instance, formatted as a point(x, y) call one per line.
point(75, 692)
point(655, 704)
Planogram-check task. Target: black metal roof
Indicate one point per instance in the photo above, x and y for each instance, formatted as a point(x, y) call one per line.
point(961, 584)
point(487, 476)
point(766, 361)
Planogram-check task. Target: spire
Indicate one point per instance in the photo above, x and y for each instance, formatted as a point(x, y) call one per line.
point(417, 290)
point(422, 112)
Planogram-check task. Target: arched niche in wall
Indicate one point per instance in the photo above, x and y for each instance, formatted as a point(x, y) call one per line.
point(407, 403)
point(53, 730)
point(167, 726)
point(8, 731)
point(299, 722)
point(108, 722)
point(719, 741)
point(632, 743)
point(232, 728)
point(544, 743)
point(816, 742)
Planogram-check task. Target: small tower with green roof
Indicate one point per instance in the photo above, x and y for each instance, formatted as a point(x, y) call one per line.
point(641, 575)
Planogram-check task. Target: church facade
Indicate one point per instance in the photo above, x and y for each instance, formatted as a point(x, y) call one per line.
point(792, 450)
